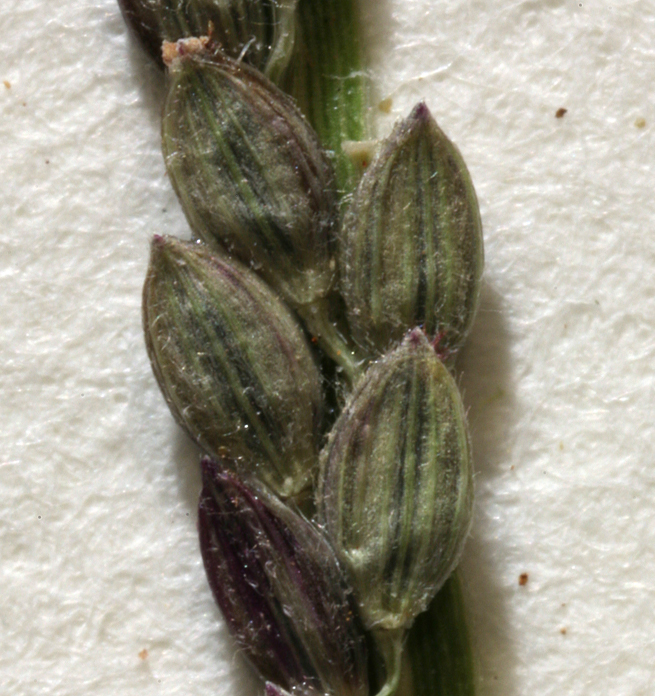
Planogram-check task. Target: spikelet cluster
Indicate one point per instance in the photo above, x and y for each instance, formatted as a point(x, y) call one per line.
point(304, 340)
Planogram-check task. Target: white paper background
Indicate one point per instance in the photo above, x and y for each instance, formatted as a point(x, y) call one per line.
point(98, 549)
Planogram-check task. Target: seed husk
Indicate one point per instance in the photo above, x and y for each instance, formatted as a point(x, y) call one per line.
point(232, 363)
point(271, 689)
point(262, 32)
point(249, 172)
point(395, 492)
point(280, 588)
point(411, 249)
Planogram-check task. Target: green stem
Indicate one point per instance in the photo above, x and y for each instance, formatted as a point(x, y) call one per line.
point(327, 78)
point(346, 356)
point(438, 658)
point(390, 644)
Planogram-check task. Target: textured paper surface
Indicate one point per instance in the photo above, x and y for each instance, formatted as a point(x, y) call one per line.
point(101, 585)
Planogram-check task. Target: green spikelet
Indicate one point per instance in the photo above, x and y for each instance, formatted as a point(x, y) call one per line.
point(396, 490)
point(411, 251)
point(262, 32)
point(232, 363)
point(249, 172)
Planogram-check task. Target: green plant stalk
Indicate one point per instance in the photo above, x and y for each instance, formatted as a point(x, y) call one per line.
point(390, 646)
point(347, 356)
point(438, 660)
point(327, 77)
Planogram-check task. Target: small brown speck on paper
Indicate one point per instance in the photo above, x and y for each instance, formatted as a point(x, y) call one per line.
point(523, 579)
